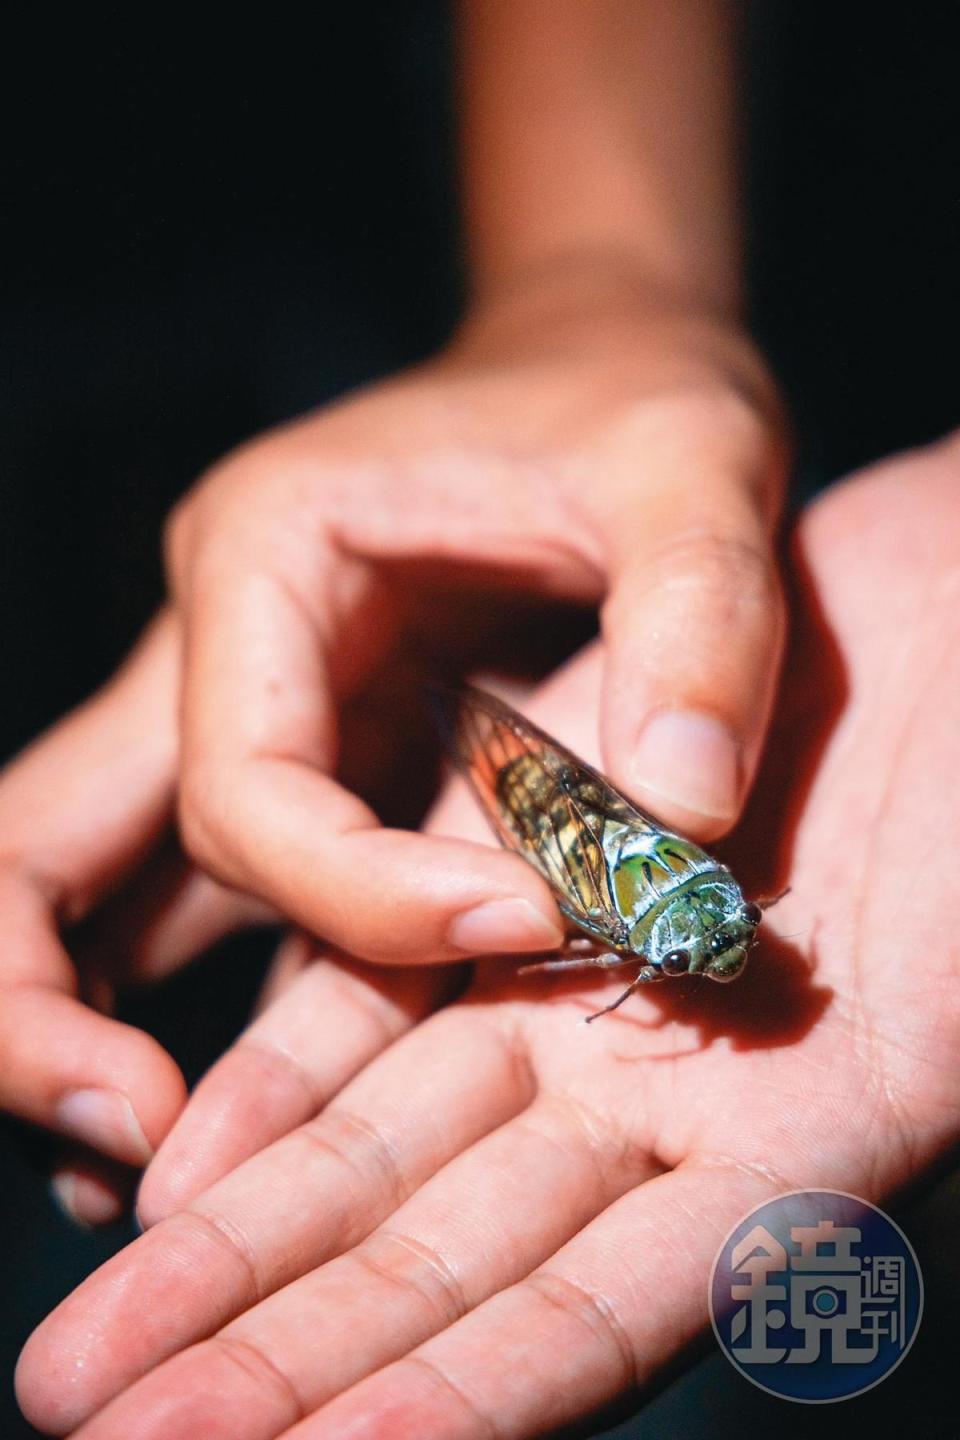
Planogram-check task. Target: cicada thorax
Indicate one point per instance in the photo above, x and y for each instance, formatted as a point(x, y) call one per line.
point(648, 864)
point(688, 918)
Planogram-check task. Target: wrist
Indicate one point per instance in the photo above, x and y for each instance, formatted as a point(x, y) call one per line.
point(606, 309)
point(591, 280)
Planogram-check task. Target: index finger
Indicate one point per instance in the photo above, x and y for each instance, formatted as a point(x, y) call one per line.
point(259, 806)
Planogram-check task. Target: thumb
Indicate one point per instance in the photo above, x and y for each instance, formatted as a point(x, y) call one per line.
point(693, 629)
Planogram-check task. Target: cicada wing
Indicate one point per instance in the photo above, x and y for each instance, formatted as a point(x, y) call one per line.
point(545, 803)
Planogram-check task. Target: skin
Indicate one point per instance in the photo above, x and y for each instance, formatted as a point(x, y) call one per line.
point(409, 1252)
point(599, 433)
point(306, 572)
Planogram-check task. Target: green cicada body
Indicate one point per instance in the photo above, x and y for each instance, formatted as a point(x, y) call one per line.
point(638, 890)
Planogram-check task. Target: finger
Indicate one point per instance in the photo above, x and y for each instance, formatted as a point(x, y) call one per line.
point(90, 1191)
point(599, 1318)
point(88, 1077)
point(277, 1075)
point(259, 806)
point(694, 629)
point(309, 1197)
point(297, 953)
point(168, 913)
point(76, 809)
point(484, 1221)
point(86, 800)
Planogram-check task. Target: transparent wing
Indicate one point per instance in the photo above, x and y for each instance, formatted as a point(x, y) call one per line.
point(546, 803)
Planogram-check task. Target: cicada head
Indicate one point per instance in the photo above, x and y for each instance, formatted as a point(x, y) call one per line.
point(707, 929)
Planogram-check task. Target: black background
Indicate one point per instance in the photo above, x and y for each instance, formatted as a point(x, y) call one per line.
point(207, 232)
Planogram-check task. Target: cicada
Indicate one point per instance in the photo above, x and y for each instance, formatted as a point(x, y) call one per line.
point(640, 892)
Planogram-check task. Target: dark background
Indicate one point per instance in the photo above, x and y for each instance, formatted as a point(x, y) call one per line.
point(206, 233)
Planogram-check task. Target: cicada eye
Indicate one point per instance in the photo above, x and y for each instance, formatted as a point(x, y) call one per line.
point(752, 913)
point(675, 962)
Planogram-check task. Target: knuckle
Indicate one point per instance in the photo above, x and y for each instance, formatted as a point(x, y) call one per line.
point(255, 1366)
point(208, 1242)
point(470, 1416)
point(412, 1265)
point(754, 417)
point(703, 569)
point(205, 816)
point(177, 540)
point(740, 407)
point(590, 1312)
point(274, 1070)
point(718, 564)
point(360, 1148)
point(734, 404)
point(224, 499)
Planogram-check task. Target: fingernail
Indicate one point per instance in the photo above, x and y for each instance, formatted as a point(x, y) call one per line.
point(84, 1201)
point(500, 925)
point(63, 1187)
point(692, 760)
point(106, 1120)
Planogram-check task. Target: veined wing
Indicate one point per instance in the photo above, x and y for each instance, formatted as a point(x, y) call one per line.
point(549, 805)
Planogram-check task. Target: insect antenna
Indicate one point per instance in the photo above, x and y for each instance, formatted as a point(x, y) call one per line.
point(767, 902)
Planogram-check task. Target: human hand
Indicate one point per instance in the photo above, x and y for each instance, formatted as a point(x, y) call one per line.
point(508, 1218)
point(581, 440)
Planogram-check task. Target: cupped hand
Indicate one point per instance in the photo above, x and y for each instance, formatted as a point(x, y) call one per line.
point(581, 440)
point(509, 1217)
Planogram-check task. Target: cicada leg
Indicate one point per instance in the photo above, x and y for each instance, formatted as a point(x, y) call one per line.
point(648, 974)
point(609, 960)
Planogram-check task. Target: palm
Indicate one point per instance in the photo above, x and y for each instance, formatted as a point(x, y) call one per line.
point(529, 1186)
point(855, 983)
